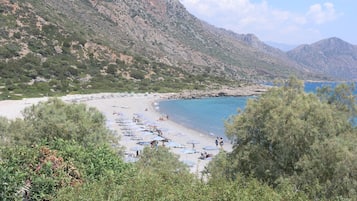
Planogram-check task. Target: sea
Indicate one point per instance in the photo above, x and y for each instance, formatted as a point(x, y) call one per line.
point(208, 115)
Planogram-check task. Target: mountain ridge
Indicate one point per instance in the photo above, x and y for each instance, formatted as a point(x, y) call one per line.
point(184, 33)
point(331, 56)
point(148, 45)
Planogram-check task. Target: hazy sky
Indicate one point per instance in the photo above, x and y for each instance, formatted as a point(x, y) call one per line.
point(283, 21)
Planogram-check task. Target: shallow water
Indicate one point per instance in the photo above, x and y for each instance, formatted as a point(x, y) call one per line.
point(207, 115)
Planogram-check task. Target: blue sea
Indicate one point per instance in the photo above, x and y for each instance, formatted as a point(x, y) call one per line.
point(207, 115)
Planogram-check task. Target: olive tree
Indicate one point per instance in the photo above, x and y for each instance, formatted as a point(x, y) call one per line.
point(282, 127)
point(55, 119)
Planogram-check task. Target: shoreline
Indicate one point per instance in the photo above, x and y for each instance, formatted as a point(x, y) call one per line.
point(120, 109)
point(250, 90)
point(123, 107)
point(143, 106)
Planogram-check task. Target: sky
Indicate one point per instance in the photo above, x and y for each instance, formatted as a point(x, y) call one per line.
point(292, 22)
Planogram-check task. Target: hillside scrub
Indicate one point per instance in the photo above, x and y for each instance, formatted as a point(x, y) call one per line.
point(43, 53)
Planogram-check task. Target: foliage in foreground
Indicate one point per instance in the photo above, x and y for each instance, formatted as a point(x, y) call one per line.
point(64, 152)
point(54, 119)
point(160, 176)
point(54, 162)
point(287, 136)
point(56, 145)
point(40, 172)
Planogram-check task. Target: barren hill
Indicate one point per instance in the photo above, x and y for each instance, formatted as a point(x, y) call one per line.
point(333, 57)
point(67, 46)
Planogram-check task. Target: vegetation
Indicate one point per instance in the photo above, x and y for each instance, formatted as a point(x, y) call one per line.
point(287, 136)
point(51, 57)
point(41, 159)
point(288, 145)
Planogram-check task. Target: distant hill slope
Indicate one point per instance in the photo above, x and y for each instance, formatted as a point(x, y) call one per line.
point(165, 31)
point(332, 57)
point(70, 46)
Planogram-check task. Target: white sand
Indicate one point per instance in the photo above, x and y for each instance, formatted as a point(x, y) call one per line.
point(123, 106)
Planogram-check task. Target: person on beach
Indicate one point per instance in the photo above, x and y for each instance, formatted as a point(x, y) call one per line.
point(216, 141)
point(153, 143)
point(159, 132)
point(221, 142)
point(205, 155)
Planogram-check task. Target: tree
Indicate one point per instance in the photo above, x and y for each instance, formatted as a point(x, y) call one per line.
point(4, 127)
point(161, 176)
point(48, 169)
point(341, 97)
point(55, 119)
point(278, 129)
point(330, 170)
point(34, 173)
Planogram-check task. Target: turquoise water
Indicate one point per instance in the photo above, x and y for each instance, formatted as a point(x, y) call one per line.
point(208, 114)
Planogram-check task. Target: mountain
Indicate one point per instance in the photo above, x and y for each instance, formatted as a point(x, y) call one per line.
point(164, 31)
point(66, 46)
point(332, 57)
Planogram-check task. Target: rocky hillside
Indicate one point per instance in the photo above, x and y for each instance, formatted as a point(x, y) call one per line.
point(164, 31)
point(332, 57)
point(66, 46)
point(45, 50)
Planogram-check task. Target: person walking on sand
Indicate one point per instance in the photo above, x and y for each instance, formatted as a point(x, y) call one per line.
point(216, 141)
point(221, 142)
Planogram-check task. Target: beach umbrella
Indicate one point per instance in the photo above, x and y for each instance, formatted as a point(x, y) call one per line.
point(136, 148)
point(145, 133)
point(193, 142)
point(158, 138)
point(138, 114)
point(136, 138)
point(152, 124)
point(164, 129)
point(210, 148)
point(128, 133)
point(144, 143)
point(180, 134)
point(188, 151)
point(172, 144)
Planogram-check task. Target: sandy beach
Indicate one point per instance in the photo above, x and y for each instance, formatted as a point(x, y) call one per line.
point(136, 119)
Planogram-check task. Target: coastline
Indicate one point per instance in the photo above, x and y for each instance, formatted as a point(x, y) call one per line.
point(124, 107)
point(250, 90)
point(143, 106)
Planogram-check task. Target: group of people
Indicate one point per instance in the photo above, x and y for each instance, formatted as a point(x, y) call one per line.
point(205, 155)
point(165, 117)
point(219, 141)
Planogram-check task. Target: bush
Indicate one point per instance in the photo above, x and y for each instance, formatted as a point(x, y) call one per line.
point(55, 119)
point(137, 74)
